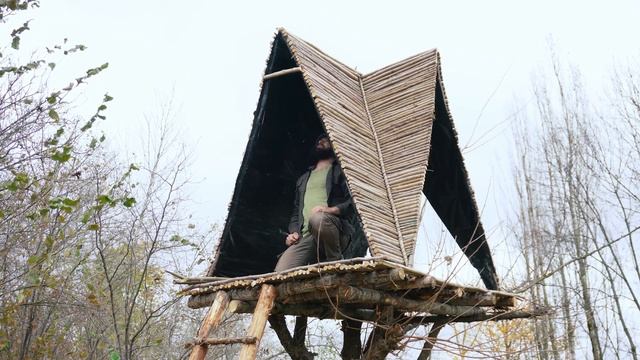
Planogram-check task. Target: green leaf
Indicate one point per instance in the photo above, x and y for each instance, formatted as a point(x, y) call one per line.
point(102, 107)
point(107, 98)
point(85, 217)
point(5, 345)
point(88, 125)
point(15, 43)
point(54, 115)
point(93, 227)
point(22, 178)
point(114, 355)
point(51, 142)
point(104, 199)
point(62, 156)
point(32, 260)
point(52, 98)
point(129, 202)
point(70, 202)
point(48, 242)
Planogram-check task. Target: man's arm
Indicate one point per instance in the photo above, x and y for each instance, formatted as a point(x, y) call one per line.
point(294, 223)
point(345, 208)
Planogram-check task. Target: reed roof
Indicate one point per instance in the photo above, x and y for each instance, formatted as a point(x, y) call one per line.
point(394, 138)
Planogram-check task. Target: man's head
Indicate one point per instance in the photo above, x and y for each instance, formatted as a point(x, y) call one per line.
point(322, 149)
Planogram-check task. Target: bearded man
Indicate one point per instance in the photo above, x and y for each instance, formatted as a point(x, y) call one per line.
point(319, 228)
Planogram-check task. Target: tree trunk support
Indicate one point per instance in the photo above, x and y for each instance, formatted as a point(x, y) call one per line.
point(430, 341)
point(294, 346)
point(351, 345)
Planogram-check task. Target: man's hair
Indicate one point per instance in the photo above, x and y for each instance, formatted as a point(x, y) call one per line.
point(314, 156)
point(321, 136)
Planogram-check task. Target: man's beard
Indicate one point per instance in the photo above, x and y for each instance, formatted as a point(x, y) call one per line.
point(323, 154)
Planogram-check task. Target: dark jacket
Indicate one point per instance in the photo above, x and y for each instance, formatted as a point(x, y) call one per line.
point(338, 195)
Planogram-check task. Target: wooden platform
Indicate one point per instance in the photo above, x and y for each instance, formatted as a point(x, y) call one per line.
point(354, 288)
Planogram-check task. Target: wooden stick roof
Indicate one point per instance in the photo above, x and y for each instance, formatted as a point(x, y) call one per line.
point(393, 136)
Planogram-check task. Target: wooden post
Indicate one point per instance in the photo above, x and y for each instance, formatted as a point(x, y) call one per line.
point(211, 321)
point(256, 329)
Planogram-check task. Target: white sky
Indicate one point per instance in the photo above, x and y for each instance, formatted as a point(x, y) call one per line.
point(211, 55)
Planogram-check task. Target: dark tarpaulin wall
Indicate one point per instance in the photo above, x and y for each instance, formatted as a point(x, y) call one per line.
point(449, 193)
point(284, 131)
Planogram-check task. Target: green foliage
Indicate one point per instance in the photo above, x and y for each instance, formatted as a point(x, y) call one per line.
point(114, 355)
point(54, 115)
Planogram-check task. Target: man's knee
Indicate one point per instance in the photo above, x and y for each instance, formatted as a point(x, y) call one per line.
point(315, 222)
point(320, 221)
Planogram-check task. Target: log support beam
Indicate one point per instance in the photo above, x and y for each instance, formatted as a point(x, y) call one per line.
point(276, 74)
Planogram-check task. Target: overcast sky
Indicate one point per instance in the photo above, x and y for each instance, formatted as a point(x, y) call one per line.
point(209, 56)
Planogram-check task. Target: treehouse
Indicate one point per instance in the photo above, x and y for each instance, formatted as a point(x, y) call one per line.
point(394, 138)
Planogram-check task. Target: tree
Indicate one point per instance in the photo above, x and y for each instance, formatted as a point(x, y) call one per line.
point(84, 236)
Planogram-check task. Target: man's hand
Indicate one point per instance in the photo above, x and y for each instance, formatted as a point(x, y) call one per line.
point(292, 239)
point(334, 210)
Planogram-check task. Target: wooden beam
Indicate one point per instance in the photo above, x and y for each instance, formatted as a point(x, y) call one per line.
point(351, 295)
point(307, 310)
point(222, 341)
point(210, 322)
point(258, 321)
point(275, 74)
point(329, 312)
point(361, 262)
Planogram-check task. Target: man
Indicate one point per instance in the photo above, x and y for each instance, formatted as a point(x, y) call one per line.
point(319, 227)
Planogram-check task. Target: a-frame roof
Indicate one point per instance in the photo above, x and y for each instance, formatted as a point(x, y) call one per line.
point(381, 127)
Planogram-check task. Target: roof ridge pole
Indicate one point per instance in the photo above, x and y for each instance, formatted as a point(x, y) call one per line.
point(384, 174)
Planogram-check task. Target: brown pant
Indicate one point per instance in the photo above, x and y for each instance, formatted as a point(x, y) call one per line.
point(324, 243)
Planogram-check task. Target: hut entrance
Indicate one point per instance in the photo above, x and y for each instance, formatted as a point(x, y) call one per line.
point(285, 128)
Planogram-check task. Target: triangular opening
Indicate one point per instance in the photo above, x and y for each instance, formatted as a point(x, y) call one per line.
point(285, 127)
point(448, 190)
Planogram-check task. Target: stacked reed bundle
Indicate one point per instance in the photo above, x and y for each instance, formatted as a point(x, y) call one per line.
point(335, 89)
point(380, 126)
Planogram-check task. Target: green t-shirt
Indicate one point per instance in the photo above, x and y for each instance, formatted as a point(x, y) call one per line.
point(315, 195)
